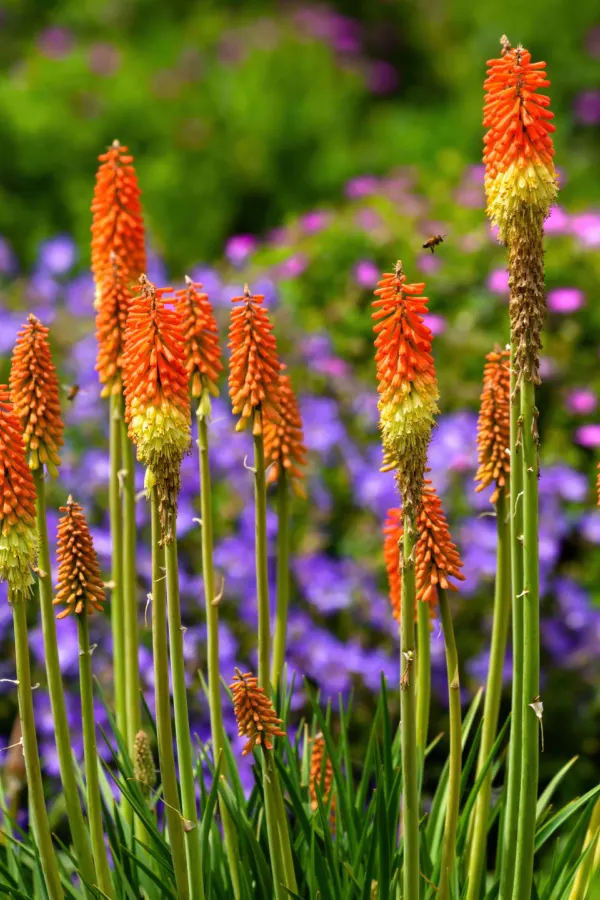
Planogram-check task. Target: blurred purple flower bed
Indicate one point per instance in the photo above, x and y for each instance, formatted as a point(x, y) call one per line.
point(317, 273)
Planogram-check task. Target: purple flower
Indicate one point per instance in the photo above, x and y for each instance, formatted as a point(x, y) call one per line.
point(557, 221)
point(436, 323)
point(588, 435)
point(586, 227)
point(79, 295)
point(563, 481)
point(565, 300)
point(293, 266)
point(323, 430)
point(478, 667)
point(382, 77)
point(590, 526)
point(430, 263)
point(315, 221)
point(55, 43)
point(8, 260)
point(239, 247)
point(587, 108)
point(581, 401)
point(327, 583)
point(368, 219)
point(104, 59)
point(366, 273)
point(497, 281)
point(156, 269)
point(211, 284)
point(361, 186)
point(57, 255)
point(11, 323)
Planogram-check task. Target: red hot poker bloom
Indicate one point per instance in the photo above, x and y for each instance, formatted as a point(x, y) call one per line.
point(284, 440)
point(518, 145)
point(436, 556)
point(253, 365)
point(407, 381)
point(255, 714)
point(79, 586)
point(321, 776)
point(118, 257)
point(18, 535)
point(34, 391)
point(202, 350)
point(493, 425)
point(157, 402)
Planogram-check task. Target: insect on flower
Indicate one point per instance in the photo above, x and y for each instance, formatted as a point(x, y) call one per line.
point(432, 242)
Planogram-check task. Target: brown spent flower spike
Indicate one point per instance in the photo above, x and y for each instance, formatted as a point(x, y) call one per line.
point(493, 425)
point(202, 349)
point(255, 714)
point(34, 391)
point(320, 776)
point(144, 770)
point(254, 366)
point(79, 585)
point(284, 440)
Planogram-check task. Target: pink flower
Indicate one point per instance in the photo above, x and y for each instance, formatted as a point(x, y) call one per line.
point(366, 273)
point(588, 435)
point(587, 228)
point(565, 300)
point(557, 221)
point(497, 282)
point(436, 323)
point(239, 247)
point(581, 401)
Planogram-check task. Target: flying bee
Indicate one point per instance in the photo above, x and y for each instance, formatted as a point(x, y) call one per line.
point(71, 391)
point(432, 242)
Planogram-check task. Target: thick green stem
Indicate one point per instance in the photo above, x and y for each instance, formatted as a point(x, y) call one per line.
point(163, 708)
point(423, 680)
point(91, 756)
point(273, 831)
point(79, 830)
point(588, 866)
point(183, 736)
point(284, 834)
point(35, 785)
point(117, 613)
point(408, 723)
point(531, 648)
point(130, 606)
point(212, 640)
point(283, 577)
point(511, 815)
point(262, 575)
point(493, 694)
point(449, 846)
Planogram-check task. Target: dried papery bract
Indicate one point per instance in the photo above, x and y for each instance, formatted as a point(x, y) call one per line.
point(18, 537)
point(202, 348)
point(255, 714)
point(521, 185)
point(407, 381)
point(254, 366)
point(34, 392)
point(493, 425)
point(321, 773)
point(285, 449)
point(157, 403)
point(80, 587)
point(118, 258)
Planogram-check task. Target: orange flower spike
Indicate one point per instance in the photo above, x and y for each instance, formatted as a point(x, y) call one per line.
point(518, 152)
point(157, 402)
point(34, 391)
point(284, 440)
point(79, 586)
point(493, 425)
point(407, 381)
point(202, 350)
point(320, 776)
point(255, 714)
point(18, 534)
point(254, 366)
point(436, 557)
point(118, 258)
point(393, 531)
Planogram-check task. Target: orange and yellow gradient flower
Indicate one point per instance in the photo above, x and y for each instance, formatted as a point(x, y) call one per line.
point(157, 401)
point(519, 169)
point(254, 366)
point(202, 349)
point(254, 712)
point(493, 425)
point(436, 556)
point(80, 587)
point(285, 450)
point(118, 258)
point(34, 392)
point(18, 535)
point(407, 382)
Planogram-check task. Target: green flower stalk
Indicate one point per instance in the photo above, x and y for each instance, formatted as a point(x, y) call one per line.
point(18, 544)
point(130, 604)
point(81, 590)
point(494, 469)
point(35, 396)
point(521, 186)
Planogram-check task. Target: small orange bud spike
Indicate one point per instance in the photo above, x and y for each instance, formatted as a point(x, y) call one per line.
point(407, 381)
point(18, 535)
point(118, 257)
point(255, 714)
point(393, 531)
point(79, 586)
point(202, 350)
point(34, 391)
point(284, 440)
point(253, 365)
point(157, 401)
point(320, 776)
point(493, 426)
